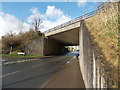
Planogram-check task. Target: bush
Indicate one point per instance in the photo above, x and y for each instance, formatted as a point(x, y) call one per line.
point(16, 52)
point(18, 41)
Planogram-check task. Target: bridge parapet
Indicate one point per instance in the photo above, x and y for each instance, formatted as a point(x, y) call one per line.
point(69, 27)
point(88, 15)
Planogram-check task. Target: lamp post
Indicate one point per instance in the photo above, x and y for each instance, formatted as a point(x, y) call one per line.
point(10, 48)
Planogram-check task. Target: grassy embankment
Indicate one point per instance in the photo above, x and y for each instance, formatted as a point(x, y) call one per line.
point(104, 28)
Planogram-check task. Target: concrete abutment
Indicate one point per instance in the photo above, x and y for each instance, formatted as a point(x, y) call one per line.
point(44, 46)
point(92, 68)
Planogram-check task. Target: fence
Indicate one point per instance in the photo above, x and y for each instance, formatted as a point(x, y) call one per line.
point(104, 6)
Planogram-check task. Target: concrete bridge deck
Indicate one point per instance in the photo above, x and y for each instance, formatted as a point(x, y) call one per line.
point(68, 33)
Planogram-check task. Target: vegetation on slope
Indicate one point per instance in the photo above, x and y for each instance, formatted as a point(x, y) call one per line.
point(104, 28)
point(18, 41)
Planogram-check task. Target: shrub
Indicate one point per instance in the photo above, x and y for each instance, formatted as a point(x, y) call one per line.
point(18, 41)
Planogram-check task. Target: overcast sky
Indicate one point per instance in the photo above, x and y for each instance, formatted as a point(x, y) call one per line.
point(51, 13)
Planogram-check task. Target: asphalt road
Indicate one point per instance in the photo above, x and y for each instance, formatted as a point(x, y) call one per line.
point(34, 73)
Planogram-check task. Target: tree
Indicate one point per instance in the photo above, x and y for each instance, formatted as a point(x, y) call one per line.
point(36, 23)
point(10, 33)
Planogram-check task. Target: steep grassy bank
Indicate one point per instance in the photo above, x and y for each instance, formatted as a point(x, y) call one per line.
point(104, 28)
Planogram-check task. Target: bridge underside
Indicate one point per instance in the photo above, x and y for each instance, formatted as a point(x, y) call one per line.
point(58, 39)
point(67, 38)
point(53, 47)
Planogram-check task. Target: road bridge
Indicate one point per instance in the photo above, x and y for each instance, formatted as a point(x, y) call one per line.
point(73, 33)
point(66, 34)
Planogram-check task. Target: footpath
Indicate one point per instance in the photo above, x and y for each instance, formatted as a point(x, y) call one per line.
point(68, 77)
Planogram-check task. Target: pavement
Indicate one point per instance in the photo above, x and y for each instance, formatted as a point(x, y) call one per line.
point(68, 77)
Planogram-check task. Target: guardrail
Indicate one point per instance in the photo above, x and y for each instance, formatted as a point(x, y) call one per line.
point(88, 15)
point(104, 6)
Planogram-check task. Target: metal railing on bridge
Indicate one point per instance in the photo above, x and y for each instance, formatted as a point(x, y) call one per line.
point(85, 16)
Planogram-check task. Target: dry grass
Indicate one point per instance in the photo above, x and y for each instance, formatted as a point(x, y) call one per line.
point(104, 28)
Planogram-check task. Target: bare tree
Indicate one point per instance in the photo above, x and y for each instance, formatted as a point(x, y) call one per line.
point(10, 33)
point(36, 23)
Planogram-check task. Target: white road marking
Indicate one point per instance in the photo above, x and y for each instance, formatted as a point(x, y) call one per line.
point(24, 61)
point(6, 63)
point(18, 61)
point(36, 66)
point(29, 60)
point(69, 61)
point(9, 74)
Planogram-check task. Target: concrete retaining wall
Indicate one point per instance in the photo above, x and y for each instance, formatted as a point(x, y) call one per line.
point(44, 46)
point(35, 47)
point(93, 71)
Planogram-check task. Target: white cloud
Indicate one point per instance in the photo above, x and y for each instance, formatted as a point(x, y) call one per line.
point(47, 24)
point(9, 23)
point(35, 11)
point(52, 17)
point(53, 12)
point(35, 14)
point(2, 13)
point(81, 2)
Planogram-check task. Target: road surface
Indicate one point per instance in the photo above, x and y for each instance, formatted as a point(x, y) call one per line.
point(32, 74)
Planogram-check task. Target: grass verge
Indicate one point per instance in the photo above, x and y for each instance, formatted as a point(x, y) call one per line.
point(20, 56)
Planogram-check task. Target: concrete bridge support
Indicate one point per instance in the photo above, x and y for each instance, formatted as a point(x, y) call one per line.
point(44, 46)
point(85, 57)
point(35, 47)
point(93, 71)
point(52, 47)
